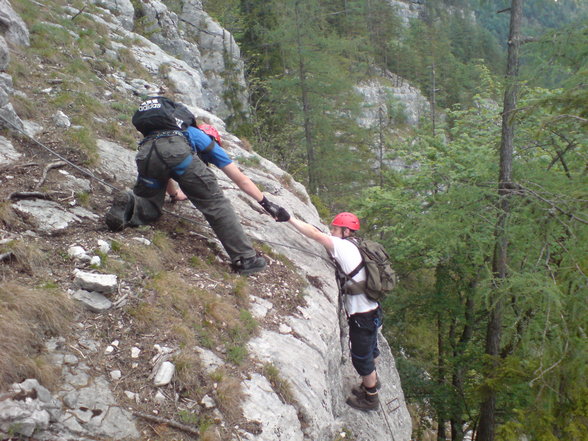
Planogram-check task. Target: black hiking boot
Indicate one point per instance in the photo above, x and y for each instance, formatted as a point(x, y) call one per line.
point(360, 389)
point(121, 211)
point(249, 265)
point(366, 401)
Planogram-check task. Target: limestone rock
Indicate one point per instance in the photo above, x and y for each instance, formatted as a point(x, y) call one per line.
point(92, 300)
point(14, 28)
point(102, 283)
point(164, 374)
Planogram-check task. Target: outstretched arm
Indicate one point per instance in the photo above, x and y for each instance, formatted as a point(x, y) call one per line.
point(242, 181)
point(313, 233)
point(249, 187)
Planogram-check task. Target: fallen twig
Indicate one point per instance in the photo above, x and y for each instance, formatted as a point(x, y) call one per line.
point(46, 170)
point(170, 423)
point(119, 302)
point(81, 353)
point(34, 194)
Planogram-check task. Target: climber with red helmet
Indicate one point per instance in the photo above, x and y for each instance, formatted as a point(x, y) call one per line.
point(364, 315)
point(174, 148)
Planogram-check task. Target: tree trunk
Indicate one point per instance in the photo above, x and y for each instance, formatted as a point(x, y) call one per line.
point(310, 156)
point(440, 377)
point(381, 146)
point(459, 370)
point(487, 425)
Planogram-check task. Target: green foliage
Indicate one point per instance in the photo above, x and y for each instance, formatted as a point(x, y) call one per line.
point(437, 219)
point(84, 141)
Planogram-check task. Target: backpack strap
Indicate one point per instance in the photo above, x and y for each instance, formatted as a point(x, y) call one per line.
point(357, 269)
point(209, 147)
point(346, 283)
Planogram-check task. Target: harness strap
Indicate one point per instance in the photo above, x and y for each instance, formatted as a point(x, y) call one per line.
point(150, 182)
point(180, 169)
point(160, 134)
point(345, 282)
point(209, 147)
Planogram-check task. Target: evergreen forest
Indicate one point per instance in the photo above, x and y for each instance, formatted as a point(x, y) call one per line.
point(482, 205)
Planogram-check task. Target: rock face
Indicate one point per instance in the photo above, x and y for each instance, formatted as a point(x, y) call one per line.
point(391, 94)
point(306, 346)
point(407, 9)
point(191, 35)
point(12, 31)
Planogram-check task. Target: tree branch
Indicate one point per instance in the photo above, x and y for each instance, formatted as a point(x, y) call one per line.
point(171, 423)
point(46, 170)
point(520, 188)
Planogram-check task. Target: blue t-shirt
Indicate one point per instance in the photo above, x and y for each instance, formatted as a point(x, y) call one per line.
point(199, 140)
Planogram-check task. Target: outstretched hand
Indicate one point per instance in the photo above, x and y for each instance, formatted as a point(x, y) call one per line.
point(274, 210)
point(282, 216)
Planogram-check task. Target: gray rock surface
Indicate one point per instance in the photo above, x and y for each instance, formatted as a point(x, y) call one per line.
point(48, 216)
point(8, 153)
point(14, 28)
point(14, 31)
point(92, 300)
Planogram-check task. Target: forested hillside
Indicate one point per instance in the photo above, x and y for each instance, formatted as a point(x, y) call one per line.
point(490, 320)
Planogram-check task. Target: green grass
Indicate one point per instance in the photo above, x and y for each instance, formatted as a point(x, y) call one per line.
point(281, 387)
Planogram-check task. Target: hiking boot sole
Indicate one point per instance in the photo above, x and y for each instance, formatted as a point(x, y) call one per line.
point(362, 405)
point(253, 270)
point(258, 266)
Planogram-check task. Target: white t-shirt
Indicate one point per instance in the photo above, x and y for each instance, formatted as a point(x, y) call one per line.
point(348, 257)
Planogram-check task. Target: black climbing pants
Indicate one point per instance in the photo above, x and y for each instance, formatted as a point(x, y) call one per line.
point(171, 157)
point(363, 340)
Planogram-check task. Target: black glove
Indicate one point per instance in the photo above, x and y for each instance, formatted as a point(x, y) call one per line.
point(274, 210)
point(283, 215)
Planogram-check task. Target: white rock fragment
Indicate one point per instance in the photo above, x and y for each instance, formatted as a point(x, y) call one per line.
point(285, 329)
point(208, 402)
point(130, 395)
point(116, 374)
point(164, 374)
point(103, 246)
point(102, 283)
point(61, 120)
point(77, 252)
point(135, 351)
point(109, 350)
point(142, 240)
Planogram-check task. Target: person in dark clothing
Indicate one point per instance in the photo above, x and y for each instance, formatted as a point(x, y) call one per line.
point(182, 155)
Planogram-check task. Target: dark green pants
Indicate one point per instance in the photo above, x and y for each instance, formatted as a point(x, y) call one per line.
point(168, 157)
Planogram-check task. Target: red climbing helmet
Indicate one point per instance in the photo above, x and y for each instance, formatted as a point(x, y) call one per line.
point(211, 131)
point(346, 219)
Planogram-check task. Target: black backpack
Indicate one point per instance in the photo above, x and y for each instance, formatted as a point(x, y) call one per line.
point(380, 277)
point(160, 113)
